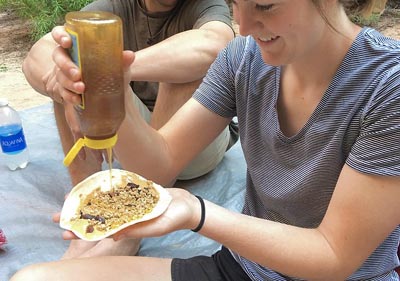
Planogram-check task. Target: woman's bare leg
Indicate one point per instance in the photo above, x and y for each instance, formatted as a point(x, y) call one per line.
point(99, 269)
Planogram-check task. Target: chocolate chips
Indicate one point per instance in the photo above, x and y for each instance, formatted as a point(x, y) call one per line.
point(90, 217)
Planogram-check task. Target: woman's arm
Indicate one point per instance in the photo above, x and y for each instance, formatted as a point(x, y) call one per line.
point(162, 155)
point(362, 213)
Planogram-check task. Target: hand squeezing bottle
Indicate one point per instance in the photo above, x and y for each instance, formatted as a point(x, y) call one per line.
point(97, 46)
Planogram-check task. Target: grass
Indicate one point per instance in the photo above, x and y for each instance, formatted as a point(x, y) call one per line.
point(44, 14)
point(3, 68)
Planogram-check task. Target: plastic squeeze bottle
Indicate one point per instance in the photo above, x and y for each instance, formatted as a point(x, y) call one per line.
point(97, 46)
point(12, 139)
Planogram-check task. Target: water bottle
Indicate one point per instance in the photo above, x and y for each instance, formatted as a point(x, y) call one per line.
point(12, 139)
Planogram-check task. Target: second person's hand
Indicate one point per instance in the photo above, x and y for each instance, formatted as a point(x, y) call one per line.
point(64, 84)
point(66, 78)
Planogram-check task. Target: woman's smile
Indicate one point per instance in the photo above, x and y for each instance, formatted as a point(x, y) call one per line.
point(266, 40)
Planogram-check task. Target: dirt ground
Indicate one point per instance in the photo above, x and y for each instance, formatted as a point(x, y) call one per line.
point(15, 43)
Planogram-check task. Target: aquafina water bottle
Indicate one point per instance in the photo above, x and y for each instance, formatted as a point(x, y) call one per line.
point(12, 140)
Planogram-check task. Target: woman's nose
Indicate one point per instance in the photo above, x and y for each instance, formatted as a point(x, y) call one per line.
point(246, 20)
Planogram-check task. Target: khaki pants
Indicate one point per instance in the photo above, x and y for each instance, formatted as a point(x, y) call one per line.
point(207, 160)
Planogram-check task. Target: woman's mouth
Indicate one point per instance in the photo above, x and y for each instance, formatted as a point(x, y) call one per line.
point(268, 39)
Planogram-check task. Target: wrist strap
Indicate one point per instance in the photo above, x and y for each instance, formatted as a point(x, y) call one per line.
point(203, 214)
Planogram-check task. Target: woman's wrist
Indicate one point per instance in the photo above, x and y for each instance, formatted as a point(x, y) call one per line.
point(198, 213)
point(202, 215)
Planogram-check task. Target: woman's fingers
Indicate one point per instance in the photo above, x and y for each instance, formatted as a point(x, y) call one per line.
point(68, 235)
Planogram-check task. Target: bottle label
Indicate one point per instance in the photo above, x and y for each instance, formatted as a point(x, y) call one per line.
point(74, 50)
point(75, 55)
point(14, 143)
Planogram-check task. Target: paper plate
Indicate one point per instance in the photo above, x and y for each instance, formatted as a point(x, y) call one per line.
point(107, 213)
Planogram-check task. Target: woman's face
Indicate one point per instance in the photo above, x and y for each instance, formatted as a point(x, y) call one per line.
point(285, 30)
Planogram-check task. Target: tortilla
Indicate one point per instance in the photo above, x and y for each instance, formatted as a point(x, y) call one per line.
point(95, 210)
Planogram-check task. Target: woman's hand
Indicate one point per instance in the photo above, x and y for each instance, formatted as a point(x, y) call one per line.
point(183, 212)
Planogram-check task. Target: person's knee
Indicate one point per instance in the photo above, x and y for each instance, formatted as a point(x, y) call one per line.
point(173, 88)
point(34, 272)
point(208, 159)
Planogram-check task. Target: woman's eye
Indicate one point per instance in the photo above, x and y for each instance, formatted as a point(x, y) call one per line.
point(264, 7)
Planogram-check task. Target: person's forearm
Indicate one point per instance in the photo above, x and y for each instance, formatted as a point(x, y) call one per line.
point(293, 251)
point(182, 58)
point(161, 155)
point(139, 147)
point(39, 62)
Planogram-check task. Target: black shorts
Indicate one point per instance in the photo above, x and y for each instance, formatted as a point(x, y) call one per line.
point(219, 267)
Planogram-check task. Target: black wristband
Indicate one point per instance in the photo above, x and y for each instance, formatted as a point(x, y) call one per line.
point(203, 214)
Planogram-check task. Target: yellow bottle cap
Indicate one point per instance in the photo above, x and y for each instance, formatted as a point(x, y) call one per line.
point(95, 144)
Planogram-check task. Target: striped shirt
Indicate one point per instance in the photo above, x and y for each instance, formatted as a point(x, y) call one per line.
point(291, 179)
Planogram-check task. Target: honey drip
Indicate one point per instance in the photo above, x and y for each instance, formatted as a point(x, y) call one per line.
point(110, 158)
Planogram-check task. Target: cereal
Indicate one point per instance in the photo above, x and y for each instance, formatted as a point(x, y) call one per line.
point(110, 209)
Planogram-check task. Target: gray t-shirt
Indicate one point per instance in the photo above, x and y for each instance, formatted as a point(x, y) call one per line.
point(142, 29)
point(291, 179)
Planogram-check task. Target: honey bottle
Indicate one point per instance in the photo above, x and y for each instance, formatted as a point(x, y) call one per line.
point(97, 46)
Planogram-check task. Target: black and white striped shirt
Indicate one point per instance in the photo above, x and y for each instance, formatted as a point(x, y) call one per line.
point(291, 179)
